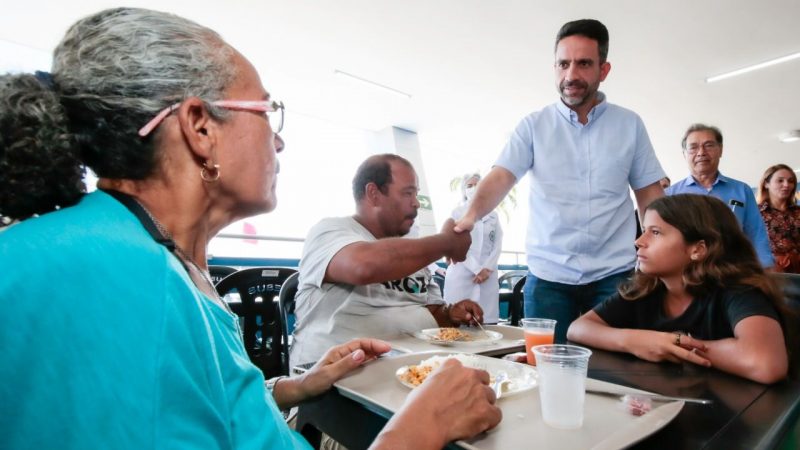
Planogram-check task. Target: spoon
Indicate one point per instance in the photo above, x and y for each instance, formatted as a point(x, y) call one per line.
point(500, 380)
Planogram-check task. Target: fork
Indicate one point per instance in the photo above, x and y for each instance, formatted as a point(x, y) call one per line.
point(656, 397)
point(485, 334)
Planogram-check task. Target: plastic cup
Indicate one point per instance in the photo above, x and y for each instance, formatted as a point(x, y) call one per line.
point(562, 383)
point(537, 332)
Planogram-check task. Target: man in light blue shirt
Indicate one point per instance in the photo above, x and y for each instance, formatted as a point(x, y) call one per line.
point(583, 154)
point(702, 148)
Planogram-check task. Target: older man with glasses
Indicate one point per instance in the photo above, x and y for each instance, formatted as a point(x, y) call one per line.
point(702, 148)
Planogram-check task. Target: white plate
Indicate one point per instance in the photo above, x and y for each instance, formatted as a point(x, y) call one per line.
point(521, 377)
point(478, 337)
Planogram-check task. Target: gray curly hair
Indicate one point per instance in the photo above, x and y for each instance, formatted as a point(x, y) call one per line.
point(112, 72)
point(116, 69)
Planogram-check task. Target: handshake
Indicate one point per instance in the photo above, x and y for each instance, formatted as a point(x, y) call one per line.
point(456, 243)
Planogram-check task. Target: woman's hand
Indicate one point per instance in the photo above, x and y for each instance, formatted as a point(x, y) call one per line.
point(658, 346)
point(454, 402)
point(590, 329)
point(482, 276)
point(335, 364)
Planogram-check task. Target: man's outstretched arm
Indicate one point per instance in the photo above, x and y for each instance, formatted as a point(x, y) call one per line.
point(491, 190)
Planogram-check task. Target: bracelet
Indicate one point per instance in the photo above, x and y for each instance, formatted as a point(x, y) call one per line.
point(270, 384)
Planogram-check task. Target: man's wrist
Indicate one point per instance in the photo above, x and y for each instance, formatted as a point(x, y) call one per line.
point(272, 382)
point(446, 310)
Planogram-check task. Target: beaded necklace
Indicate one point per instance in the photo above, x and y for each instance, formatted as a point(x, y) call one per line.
point(185, 259)
point(160, 234)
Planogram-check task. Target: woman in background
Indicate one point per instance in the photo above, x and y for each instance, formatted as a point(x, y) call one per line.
point(476, 277)
point(776, 200)
point(699, 295)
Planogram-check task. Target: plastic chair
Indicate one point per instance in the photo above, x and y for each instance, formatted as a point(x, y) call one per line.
point(517, 300)
point(510, 296)
point(286, 307)
point(262, 330)
point(510, 278)
point(790, 282)
point(219, 272)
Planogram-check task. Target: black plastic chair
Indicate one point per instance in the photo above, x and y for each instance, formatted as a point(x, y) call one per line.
point(509, 279)
point(511, 284)
point(517, 302)
point(262, 331)
point(219, 272)
point(286, 307)
point(790, 282)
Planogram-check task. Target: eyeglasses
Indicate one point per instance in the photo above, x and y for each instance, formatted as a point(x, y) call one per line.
point(707, 146)
point(265, 106)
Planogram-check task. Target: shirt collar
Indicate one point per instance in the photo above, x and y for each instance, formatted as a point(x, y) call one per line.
point(593, 115)
point(720, 178)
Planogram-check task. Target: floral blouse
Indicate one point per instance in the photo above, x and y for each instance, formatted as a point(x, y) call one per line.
point(783, 228)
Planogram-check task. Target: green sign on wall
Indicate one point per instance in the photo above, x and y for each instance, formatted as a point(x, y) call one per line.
point(425, 202)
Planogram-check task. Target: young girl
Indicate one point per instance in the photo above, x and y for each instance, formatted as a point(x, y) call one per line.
point(700, 295)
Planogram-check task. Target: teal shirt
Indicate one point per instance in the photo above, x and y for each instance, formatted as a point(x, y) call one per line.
point(106, 343)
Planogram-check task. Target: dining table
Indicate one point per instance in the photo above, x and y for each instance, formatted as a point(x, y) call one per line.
point(743, 414)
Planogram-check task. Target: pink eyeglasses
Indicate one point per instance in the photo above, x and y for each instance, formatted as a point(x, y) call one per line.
point(265, 106)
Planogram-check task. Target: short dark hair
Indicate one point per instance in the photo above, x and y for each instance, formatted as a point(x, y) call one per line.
point(376, 169)
point(590, 28)
point(701, 127)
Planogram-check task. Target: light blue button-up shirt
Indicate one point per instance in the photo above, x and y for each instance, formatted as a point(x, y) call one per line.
point(728, 189)
point(582, 224)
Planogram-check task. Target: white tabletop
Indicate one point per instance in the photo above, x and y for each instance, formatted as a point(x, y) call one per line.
point(607, 425)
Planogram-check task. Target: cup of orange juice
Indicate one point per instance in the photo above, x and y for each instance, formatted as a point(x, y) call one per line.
point(537, 332)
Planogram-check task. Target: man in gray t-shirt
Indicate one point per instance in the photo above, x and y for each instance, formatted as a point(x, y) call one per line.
point(359, 278)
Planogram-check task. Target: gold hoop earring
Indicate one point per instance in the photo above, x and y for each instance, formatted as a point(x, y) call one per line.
point(208, 178)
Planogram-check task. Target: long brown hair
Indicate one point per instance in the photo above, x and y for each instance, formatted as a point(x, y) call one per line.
point(730, 257)
point(763, 192)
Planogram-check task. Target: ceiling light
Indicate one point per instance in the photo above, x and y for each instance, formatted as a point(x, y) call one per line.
point(792, 136)
point(383, 87)
point(758, 66)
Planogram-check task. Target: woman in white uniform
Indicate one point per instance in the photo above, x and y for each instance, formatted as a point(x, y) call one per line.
point(476, 277)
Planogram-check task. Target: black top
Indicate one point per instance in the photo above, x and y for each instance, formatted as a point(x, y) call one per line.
point(709, 318)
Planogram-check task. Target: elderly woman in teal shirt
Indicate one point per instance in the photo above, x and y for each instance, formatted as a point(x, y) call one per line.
point(113, 334)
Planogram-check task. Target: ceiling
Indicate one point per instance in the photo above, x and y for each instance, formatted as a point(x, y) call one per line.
point(475, 68)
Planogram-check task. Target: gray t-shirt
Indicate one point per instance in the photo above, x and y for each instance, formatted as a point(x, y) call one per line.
point(331, 313)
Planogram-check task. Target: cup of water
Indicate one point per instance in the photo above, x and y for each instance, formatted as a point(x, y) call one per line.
point(562, 383)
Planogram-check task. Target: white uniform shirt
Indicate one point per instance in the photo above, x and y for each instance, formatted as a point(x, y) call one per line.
point(487, 242)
